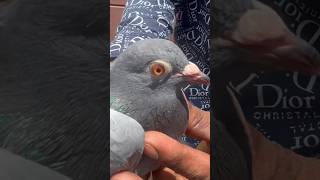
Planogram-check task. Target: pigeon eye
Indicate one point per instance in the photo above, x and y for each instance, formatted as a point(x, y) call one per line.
point(159, 68)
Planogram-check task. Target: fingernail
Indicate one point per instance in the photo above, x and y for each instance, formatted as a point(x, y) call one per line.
point(151, 152)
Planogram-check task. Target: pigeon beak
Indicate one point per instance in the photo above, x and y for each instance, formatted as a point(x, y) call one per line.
point(262, 34)
point(192, 74)
point(289, 53)
point(297, 55)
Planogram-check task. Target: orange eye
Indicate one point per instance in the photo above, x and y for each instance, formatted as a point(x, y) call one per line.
point(157, 69)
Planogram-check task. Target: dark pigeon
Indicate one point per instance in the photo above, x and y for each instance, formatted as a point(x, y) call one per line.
point(54, 82)
point(146, 84)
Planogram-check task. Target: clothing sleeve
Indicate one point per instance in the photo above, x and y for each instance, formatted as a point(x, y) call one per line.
point(143, 20)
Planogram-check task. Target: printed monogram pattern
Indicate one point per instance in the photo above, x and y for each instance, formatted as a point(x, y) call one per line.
point(285, 106)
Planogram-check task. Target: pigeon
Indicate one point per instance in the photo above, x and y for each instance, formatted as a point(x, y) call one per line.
point(126, 142)
point(248, 36)
point(54, 85)
point(146, 83)
point(16, 167)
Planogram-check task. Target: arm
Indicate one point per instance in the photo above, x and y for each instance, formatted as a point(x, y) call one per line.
point(143, 21)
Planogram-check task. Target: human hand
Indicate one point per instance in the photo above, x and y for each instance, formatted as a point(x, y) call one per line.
point(179, 161)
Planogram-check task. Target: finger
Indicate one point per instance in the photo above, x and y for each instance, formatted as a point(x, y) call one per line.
point(199, 123)
point(167, 174)
point(183, 159)
point(125, 175)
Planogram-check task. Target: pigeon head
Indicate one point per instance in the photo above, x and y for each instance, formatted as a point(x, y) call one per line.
point(146, 82)
point(255, 34)
point(157, 63)
point(226, 14)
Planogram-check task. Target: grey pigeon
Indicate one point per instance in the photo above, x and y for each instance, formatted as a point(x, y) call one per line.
point(14, 167)
point(53, 85)
point(145, 84)
point(126, 142)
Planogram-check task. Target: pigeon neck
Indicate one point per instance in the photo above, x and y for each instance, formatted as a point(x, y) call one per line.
point(118, 105)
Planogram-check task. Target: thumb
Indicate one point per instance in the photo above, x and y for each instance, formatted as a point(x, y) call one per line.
point(199, 123)
point(184, 160)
